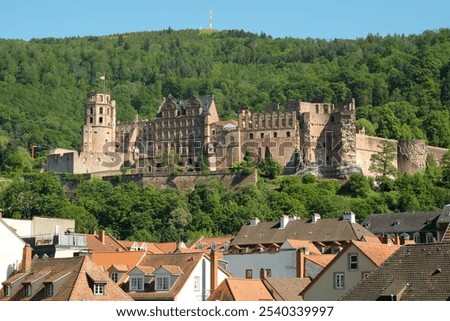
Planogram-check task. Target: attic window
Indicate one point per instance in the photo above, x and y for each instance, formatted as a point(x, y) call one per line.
point(162, 283)
point(7, 290)
point(114, 277)
point(49, 289)
point(137, 283)
point(27, 290)
point(99, 289)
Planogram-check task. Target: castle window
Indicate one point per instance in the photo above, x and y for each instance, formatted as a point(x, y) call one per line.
point(100, 120)
point(251, 135)
point(325, 109)
point(290, 121)
point(288, 134)
point(275, 134)
point(91, 120)
point(107, 110)
point(101, 110)
point(91, 110)
point(317, 109)
point(262, 135)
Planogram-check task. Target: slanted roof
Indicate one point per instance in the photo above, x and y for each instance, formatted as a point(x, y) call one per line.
point(298, 244)
point(73, 278)
point(322, 259)
point(376, 252)
point(185, 262)
point(110, 244)
point(232, 289)
point(401, 222)
point(286, 289)
point(118, 259)
point(151, 247)
point(324, 230)
point(167, 247)
point(415, 272)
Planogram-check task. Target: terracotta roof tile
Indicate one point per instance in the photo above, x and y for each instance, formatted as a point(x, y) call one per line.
point(286, 289)
point(241, 290)
point(377, 253)
point(107, 259)
point(415, 272)
point(322, 259)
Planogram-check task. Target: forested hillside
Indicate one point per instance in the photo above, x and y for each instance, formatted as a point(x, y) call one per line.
point(401, 83)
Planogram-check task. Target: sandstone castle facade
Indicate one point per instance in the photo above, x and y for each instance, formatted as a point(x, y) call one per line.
point(188, 135)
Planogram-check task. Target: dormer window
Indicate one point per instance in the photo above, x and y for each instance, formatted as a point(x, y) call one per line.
point(136, 283)
point(7, 290)
point(162, 283)
point(99, 288)
point(48, 289)
point(114, 277)
point(27, 290)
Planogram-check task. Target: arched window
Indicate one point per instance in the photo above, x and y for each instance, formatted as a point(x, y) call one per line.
point(288, 134)
point(275, 134)
point(416, 237)
point(101, 110)
point(251, 135)
point(262, 135)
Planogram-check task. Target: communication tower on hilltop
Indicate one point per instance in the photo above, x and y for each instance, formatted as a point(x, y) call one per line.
point(210, 19)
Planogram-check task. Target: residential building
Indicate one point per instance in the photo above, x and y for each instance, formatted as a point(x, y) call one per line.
point(275, 246)
point(350, 266)
point(415, 272)
point(11, 248)
point(420, 227)
point(60, 279)
point(174, 277)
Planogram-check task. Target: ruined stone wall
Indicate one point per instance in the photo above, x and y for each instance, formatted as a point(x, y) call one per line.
point(365, 147)
point(436, 152)
point(81, 163)
point(185, 181)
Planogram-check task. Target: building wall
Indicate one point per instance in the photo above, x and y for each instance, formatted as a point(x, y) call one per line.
point(323, 288)
point(366, 146)
point(47, 225)
point(283, 264)
point(11, 249)
point(203, 272)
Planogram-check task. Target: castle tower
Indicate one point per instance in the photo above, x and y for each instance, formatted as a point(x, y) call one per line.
point(99, 130)
point(412, 156)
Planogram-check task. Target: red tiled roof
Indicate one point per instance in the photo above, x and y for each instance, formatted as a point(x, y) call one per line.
point(232, 289)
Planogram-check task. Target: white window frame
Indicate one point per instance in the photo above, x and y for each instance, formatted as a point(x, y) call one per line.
point(162, 283)
point(353, 261)
point(99, 289)
point(196, 283)
point(114, 276)
point(416, 237)
point(339, 280)
point(136, 283)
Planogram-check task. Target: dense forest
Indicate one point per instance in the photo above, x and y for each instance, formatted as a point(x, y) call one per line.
point(401, 85)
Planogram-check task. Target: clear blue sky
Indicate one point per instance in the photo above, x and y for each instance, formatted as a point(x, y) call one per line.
point(326, 19)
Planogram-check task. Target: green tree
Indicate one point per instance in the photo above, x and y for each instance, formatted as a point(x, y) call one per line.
point(270, 168)
point(382, 162)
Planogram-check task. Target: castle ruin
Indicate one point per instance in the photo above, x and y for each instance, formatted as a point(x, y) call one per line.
point(304, 137)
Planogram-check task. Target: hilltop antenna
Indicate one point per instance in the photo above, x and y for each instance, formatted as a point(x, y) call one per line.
point(210, 19)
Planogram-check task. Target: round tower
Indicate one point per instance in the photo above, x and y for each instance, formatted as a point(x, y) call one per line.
point(99, 130)
point(412, 156)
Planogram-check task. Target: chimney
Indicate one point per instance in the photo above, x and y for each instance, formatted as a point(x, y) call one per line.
point(315, 218)
point(349, 216)
point(26, 258)
point(214, 264)
point(101, 236)
point(301, 262)
point(284, 221)
point(254, 222)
